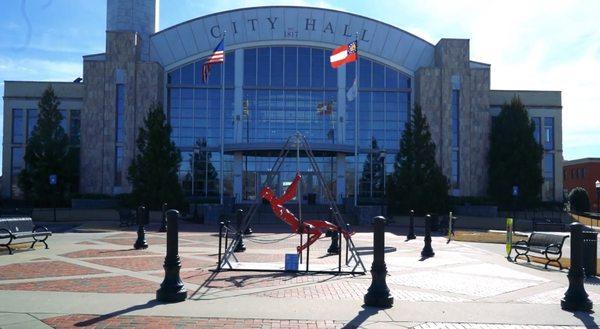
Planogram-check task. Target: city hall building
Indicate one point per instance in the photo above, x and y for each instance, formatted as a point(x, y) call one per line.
point(277, 81)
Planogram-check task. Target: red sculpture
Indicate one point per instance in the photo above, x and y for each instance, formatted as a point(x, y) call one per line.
point(314, 227)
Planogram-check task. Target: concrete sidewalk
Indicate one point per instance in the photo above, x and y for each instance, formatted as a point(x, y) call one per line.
point(96, 280)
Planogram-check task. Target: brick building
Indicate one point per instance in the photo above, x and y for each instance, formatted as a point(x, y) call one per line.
point(583, 173)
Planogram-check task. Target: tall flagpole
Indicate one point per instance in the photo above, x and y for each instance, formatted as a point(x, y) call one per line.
point(356, 134)
point(221, 184)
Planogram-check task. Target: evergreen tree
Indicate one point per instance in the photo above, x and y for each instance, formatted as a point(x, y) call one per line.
point(514, 157)
point(48, 153)
point(372, 173)
point(153, 171)
point(205, 173)
point(417, 181)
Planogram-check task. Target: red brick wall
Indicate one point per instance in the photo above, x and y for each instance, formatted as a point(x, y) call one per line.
point(583, 175)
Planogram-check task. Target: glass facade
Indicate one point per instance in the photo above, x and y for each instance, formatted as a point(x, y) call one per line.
point(284, 89)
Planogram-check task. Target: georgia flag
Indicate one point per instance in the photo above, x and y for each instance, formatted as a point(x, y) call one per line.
point(343, 54)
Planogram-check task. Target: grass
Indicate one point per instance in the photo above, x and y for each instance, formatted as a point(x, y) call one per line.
point(485, 236)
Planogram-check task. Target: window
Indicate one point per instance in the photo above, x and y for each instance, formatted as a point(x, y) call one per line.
point(537, 124)
point(548, 133)
point(17, 164)
point(32, 117)
point(75, 127)
point(119, 166)
point(18, 136)
point(548, 174)
point(119, 133)
point(455, 142)
point(120, 113)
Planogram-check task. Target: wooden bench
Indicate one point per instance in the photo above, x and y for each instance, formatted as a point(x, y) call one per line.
point(541, 243)
point(17, 228)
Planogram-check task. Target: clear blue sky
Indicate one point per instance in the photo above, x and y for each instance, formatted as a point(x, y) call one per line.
point(533, 45)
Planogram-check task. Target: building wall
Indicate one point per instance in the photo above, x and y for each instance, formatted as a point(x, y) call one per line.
point(25, 95)
point(143, 84)
point(539, 104)
point(583, 173)
point(433, 91)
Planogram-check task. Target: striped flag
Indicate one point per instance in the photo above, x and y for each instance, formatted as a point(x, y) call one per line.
point(343, 54)
point(218, 56)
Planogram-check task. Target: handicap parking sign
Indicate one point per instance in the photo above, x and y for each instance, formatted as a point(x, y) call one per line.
point(291, 262)
point(52, 179)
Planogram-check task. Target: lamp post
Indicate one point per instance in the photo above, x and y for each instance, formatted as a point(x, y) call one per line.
point(598, 195)
point(382, 173)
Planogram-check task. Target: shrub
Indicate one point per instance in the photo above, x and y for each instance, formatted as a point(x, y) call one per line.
point(579, 200)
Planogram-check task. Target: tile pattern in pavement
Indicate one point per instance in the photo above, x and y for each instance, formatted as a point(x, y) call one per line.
point(43, 269)
point(458, 273)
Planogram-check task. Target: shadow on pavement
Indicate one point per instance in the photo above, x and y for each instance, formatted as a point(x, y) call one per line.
point(369, 250)
point(362, 316)
point(587, 320)
point(104, 317)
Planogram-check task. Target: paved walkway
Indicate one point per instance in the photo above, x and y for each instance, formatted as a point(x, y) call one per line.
point(95, 279)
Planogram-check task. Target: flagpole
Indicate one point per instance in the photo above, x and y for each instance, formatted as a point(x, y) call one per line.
point(221, 183)
point(356, 134)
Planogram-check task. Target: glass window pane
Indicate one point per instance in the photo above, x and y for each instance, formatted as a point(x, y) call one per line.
point(303, 65)
point(17, 126)
point(391, 78)
point(548, 133)
point(250, 67)
point(365, 73)
point(264, 66)
point(291, 68)
point(174, 77)
point(75, 127)
point(378, 76)
point(229, 68)
point(317, 68)
point(32, 117)
point(277, 66)
point(187, 74)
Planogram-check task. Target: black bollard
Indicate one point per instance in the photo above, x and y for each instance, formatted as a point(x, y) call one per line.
point(378, 294)
point(240, 247)
point(334, 247)
point(142, 219)
point(576, 299)
point(411, 226)
point(172, 289)
point(163, 220)
point(427, 250)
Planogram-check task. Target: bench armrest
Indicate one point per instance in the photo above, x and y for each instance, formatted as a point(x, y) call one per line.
point(8, 235)
point(521, 243)
point(554, 246)
point(41, 228)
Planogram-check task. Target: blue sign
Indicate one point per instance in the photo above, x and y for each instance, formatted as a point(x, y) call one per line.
point(52, 179)
point(515, 191)
point(291, 262)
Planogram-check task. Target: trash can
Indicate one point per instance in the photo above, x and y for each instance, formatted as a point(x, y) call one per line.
point(590, 247)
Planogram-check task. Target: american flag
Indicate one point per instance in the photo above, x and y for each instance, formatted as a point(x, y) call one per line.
point(218, 56)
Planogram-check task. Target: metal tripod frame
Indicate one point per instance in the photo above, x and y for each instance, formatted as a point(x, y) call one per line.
point(354, 260)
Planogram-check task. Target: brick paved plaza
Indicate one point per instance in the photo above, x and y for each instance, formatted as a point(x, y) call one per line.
point(93, 278)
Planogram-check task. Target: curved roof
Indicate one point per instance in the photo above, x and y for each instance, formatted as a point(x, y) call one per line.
point(289, 25)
